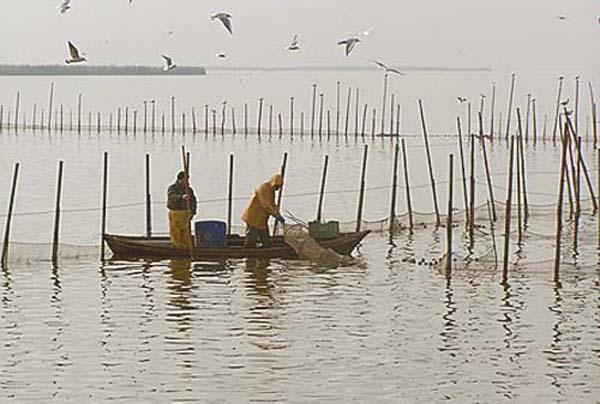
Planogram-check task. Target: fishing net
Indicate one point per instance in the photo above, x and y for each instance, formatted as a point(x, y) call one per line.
point(307, 248)
point(29, 253)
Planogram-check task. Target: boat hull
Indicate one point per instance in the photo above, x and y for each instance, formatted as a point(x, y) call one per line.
point(135, 247)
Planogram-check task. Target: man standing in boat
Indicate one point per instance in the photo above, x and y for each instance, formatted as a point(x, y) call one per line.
point(181, 202)
point(257, 212)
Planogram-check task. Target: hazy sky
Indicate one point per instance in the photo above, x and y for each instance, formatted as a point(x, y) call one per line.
point(509, 34)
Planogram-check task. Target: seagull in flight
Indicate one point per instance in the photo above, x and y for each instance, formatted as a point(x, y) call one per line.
point(221, 55)
point(64, 6)
point(368, 31)
point(75, 56)
point(388, 69)
point(561, 17)
point(294, 44)
point(225, 19)
point(461, 99)
point(169, 65)
point(350, 44)
point(565, 102)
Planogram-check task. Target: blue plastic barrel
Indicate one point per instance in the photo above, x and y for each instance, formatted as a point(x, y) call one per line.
point(210, 233)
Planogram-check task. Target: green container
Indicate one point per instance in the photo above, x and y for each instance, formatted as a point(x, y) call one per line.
point(320, 231)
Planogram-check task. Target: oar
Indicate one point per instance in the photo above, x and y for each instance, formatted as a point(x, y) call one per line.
point(187, 192)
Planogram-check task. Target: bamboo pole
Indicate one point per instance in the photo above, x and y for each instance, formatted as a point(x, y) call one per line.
point(556, 114)
point(361, 194)
point(493, 111)
point(509, 189)
point(233, 128)
point(373, 122)
point(394, 188)
point(320, 115)
point(7, 223)
point(472, 194)
point(337, 108)
point(510, 103)
point(206, 119)
point(392, 103)
point(98, 122)
point(223, 117)
point(118, 121)
point(185, 157)
point(162, 123)
point(469, 120)
point(183, 124)
point(55, 235)
point(104, 200)
point(145, 129)
point(364, 120)
point(246, 119)
point(34, 116)
point(559, 207)
point(79, 113)
point(519, 193)
point(384, 98)
point(322, 190)
point(230, 195)
point(270, 120)
point(578, 196)
point(328, 124)
point(280, 124)
point(259, 123)
point(487, 169)
point(214, 122)
point(534, 120)
point(527, 116)
point(523, 170)
point(462, 169)
point(172, 115)
point(576, 111)
point(398, 115)
point(449, 216)
point(50, 105)
point(1, 116)
point(356, 112)
point(193, 121)
point(407, 186)
point(347, 112)
point(429, 164)
point(17, 105)
point(280, 194)
point(61, 118)
point(135, 121)
point(313, 106)
point(292, 116)
point(153, 114)
point(302, 124)
point(148, 199)
point(594, 115)
point(126, 119)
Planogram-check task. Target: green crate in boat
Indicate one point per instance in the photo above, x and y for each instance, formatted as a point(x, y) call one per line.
point(319, 230)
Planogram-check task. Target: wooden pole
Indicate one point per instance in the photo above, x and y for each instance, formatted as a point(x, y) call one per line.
point(519, 191)
point(104, 199)
point(462, 169)
point(361, 194)
point(145, 116)
point(259, 123)
point(347, 112)
point(510, 103)
point(223, 117)
point(193, 121)
point(328, 124)
point(98, 122)
point(50, 105)
point(33, 119)
point(185, 157)
point(559, 206)
point(487, 169)
point(245, 119)
point(384, 98)
point(302, 124)
point(280, 194)
point(507, 213)
point(394, 188)
point(61, 118)
point(322, 191)
point(206, 119)
point(230, 195)
point(280, 124)
point(233, 128)
point(7, 223)
point(148, 199)
point(527, 117)
point(449, 215)
point(126, 119)
point(593, 114)
point(153, 102)
point(313, 106)
point(556, 113)
point(270, 120)
point(214, 122)
point(407, 186)
point(578, 196)
point(392, 103)
point(1, 116)
point(183, 124)
point(163, 125)
point(576, 111)
point(431, 176)
point(398, 115)
point(364, 120)
point(373, 123)
point(55, 235)
point(534, 119)
point(135, 121)
point(118, 120)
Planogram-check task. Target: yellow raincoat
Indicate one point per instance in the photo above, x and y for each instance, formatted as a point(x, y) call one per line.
point(262, 204)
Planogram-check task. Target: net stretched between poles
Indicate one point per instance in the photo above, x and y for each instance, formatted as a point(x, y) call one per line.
point(307, 248)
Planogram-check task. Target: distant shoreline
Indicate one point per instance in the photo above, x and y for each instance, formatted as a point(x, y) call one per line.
point(84, 70)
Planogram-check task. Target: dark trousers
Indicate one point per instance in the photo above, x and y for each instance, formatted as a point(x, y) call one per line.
point(253, 235)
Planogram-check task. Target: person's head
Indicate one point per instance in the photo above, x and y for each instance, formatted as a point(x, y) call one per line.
point(182, 178)
point(276, 181)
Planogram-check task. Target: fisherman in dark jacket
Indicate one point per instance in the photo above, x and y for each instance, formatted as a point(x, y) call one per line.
point(182, 205)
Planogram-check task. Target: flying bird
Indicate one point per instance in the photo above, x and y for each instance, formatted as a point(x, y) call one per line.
point(368, 31)
point(461, 99)
point(350, 43)
point(64, 6)
point(75, 56)
point(388, 69)
point(561, 17)
point(221, 55)
point(294, 44)
point(169, 65)
point(565, 102)
point(225, 19)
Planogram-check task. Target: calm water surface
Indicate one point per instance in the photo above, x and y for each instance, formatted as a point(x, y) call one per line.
point(383, 329)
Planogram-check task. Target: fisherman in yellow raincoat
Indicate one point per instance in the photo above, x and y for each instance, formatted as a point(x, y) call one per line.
point(181, 202)
point(257, 212)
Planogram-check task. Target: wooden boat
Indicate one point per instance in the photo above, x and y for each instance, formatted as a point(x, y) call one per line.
point(127, 247)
